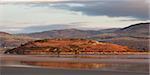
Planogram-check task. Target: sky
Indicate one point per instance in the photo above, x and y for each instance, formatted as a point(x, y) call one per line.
point(27, 16)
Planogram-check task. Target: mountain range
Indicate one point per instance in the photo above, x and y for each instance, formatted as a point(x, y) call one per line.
point(134, 36)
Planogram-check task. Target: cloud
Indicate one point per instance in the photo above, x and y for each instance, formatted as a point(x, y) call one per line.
point(138, 9)
point(80, 14)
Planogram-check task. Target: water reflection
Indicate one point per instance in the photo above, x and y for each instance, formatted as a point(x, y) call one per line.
point(136, 63)
point(93, 66)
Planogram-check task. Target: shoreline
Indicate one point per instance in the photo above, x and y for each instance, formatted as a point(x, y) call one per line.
point(101, 59)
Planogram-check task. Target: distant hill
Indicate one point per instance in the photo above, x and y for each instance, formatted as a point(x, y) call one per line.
point(8, 40)
point(68, 46)
point(135, 36)
point(65, 33)
point(4, 33)
point(136, 30)
point(140, 28)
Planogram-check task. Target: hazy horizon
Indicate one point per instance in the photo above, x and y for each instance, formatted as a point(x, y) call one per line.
point(36, 16)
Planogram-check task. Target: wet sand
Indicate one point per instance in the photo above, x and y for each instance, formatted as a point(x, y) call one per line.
point(45, 71)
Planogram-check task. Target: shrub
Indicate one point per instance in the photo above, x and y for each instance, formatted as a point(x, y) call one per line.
point(44, 40)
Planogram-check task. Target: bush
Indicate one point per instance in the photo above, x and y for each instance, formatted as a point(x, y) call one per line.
point(45, 40)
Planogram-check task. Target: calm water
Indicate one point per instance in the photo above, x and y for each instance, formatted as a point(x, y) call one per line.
point(125, 63)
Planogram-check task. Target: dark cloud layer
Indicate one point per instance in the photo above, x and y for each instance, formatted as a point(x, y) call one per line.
point(138, 9)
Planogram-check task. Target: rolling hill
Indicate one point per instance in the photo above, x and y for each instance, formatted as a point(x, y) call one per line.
point(8, 40)
point(136, 30)
point(4, 33)
point(135, 36)
point(68, 46)
point(65, 33)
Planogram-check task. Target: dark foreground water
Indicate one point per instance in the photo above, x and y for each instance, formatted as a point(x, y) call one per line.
point(70, 65)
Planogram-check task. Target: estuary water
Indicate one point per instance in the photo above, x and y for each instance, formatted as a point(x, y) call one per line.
point(126, 64)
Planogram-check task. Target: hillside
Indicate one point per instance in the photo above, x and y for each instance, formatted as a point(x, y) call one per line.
point(134, 43)
point(4, 33)
point(10, 41)
point(134, 36)
point(136, 30)
point(140, 30)
point(68, 46)
point(65, 33)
